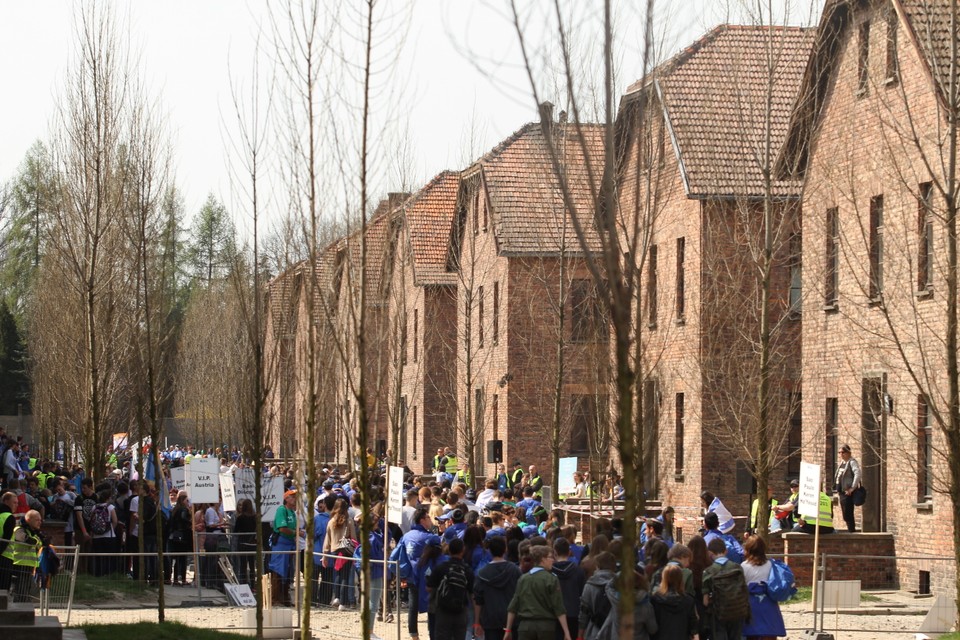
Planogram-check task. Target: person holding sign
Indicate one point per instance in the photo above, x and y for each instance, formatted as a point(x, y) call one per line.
point(285, 531)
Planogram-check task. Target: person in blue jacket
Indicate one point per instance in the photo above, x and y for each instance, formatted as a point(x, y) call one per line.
point(408, 555)
point(376, 560)
point(458, 528)
point(711, 523)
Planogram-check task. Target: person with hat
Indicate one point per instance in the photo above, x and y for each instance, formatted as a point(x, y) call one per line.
point(285, 530)
point(517, 476)
point(848, 479)
point(786, 512)
point(458, 527)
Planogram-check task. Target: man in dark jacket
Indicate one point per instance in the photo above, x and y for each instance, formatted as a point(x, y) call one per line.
point(572, 580)
point(450, 619)
point(493, 590)
point(594, 604)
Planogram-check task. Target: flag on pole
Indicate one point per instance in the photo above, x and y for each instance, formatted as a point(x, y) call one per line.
point(150, 473)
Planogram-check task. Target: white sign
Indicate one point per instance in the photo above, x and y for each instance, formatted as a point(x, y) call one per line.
point(178, 478)
point(271, 492)
point(808, 503)
point(244, 487)
point(241, 594)
point(565, 485)
point(395, 495)
point(203, 480)
point(227, 492)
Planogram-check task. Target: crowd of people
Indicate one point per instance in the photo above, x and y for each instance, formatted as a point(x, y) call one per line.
point(493, 562)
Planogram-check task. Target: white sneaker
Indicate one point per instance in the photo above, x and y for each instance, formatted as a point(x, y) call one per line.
point(342, 608)
point(374, 636)
point(335, 603)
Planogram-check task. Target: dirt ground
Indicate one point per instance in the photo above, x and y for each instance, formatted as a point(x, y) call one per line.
point(891, 616)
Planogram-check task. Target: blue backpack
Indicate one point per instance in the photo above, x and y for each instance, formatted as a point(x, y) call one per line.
point(781, 583)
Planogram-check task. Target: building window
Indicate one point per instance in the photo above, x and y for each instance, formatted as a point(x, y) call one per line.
point(583, 412)
point(495, 409)
point(416, 333)
point(678, 428)
point(483, 206)
point(415, 434)
point(893, 61)
point(832, 259)
point(480, 317)
point(476, 211)
point(403, 339)
point(478, 410)
point(496, 313)
point(830, 431)
point(795, 435)
point(796, 274)
point(925, 238)
point(863, 58)
point(588, 318)
point(876, 247)
point(651, 436)
point(467, 338)
point(924, 450)
point(652, 288)
point(401, 447)
point(681, 306)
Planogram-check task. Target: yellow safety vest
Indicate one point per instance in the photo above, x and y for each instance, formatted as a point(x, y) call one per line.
point(453, 465)
point(25, 553)
point(464, 477)
point(826, 511)
point(756, 507)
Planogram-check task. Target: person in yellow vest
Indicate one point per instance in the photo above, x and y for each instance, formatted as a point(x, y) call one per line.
point(755, 508)
point(46, 475)
point(464, 475)
point(517, 476)
point(825, 520)
point(450, 461)
point(436, 460)
point(536, 482)
point(8, 522)
point(24, 553)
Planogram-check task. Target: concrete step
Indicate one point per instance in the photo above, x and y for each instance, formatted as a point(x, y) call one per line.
point(17, 617)
point(44, 628)
point(4, 599)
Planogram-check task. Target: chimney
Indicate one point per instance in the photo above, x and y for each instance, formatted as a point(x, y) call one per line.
point(546, 117)
point(563, 117)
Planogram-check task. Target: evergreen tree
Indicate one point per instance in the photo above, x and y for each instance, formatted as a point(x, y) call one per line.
point(213, 248)
point(13, 378)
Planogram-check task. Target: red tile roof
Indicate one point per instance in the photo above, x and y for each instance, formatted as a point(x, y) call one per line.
point(715, 96)
point(524, 192)
point(429, 215)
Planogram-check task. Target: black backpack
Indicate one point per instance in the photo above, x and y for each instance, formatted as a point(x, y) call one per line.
point(731, 600)
point(452, 592)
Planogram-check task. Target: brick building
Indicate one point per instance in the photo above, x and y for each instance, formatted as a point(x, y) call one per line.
point(692, 182)
point(526, 302)
point(868, 136)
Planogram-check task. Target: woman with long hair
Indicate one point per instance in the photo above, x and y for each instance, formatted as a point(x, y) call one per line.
point(699, 561)
point(598, 545)
point(675, 611)
point(245, 533)
point(180, 538)
point(766, 621)
point(341, 541)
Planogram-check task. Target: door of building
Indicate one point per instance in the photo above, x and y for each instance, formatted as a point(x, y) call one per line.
point(871, 454)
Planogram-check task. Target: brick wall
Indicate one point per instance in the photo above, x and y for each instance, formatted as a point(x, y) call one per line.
point(868, 557)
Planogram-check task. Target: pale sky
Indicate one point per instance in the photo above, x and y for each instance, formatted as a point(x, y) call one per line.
point(459, 72)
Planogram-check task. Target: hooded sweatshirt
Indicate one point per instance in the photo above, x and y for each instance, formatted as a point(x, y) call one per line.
point(492, 591)
point(676, 615)
point(644, 618)
point(594, 604)
point(572, 581)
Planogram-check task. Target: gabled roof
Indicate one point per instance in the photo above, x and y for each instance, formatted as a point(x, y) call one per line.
point(523, 190)
point(927, 26)
point(429, 215)
point(714, 96)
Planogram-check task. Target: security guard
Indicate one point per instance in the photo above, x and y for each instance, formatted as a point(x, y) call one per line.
point(517, 474)
point(436, 460)
point(24, 553)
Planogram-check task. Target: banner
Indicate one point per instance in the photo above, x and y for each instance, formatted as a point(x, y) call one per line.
point(272, 493)
point(395, 496)
point(808, 503)
point(227, 492)
point(203, 480)
point(243, 483)
point(178, 478)
point(565, 484)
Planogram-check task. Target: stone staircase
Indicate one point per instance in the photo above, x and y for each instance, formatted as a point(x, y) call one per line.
point(20, 621)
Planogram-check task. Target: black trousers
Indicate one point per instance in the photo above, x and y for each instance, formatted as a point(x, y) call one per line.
point(846, 506)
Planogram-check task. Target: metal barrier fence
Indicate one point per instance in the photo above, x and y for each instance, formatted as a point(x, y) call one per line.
point(107, 589)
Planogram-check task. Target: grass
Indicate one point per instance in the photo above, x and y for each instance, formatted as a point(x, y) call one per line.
point(154, 631)
point(91, 589)
point(805, 594)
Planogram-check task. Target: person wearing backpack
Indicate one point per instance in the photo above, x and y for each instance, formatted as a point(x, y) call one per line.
point(103, 527)
point(538, 601)
point(725, 594)
point(450, 585)
point(594, 604)
point(493, 591)
point(766, 621)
